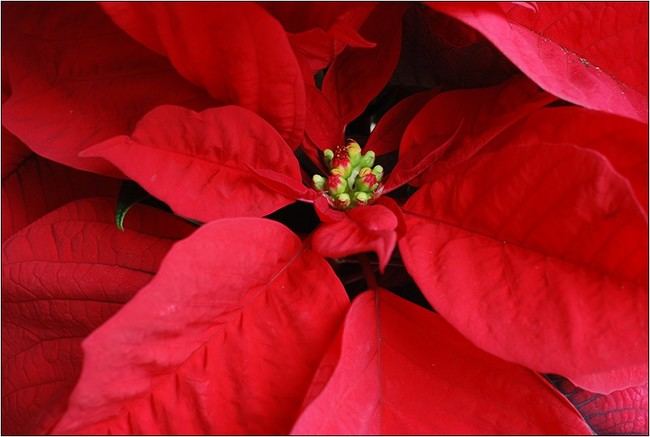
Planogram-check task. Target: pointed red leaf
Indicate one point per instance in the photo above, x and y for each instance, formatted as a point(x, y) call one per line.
point(225, 338)
point(36, 186)
point(477, 116)
point(621, 412)
point(404, 370)
point(358, 74)
point(387, 135)
point(77, 80)
point(203, 165)
point(62, 277)
point(624, 142)
point(537, 252)
point(362, 229)
point(590, 53)
point(236, 51)
point(322, 126)
point(321, 30)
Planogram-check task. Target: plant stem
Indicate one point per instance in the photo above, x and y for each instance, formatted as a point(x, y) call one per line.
point(368, 272)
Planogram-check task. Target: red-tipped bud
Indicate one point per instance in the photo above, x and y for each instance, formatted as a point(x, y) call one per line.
point(336, 184)
point(366, 181)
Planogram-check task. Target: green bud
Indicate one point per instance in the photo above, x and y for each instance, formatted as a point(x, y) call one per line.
point(362, 198)
point(328, 155)
point(319, 182)
point(368, 159)
point(354, 152)
point(378, 171)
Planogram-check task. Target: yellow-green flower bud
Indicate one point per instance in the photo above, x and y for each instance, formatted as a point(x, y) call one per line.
point(354, 152)
point(362, 198)
point(378, 171)
point(319, 182)
point(368, 159)
point(328, 155)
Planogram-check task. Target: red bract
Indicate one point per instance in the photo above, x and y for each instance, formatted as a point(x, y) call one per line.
point(237, 52)
point(62, 277)
point(402, 369)
point(593, 54)
point(520, 220)
point(197, 350)
point(213, 172)
point(77, 80)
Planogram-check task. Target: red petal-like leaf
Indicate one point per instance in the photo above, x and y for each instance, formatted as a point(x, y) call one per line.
point(323, 126)
point(321, 30)
point(203, 164)
point(62, 277)
point(404, 370)
point(387, 135)
point(36, 186)
point(225, 338)
point(477, 116)
point(623, 141)
point(537, 252)
point(362, 229)
point(77, 80)
point(590, 53)
point(621, 412)
point(236, 51)
point(358, 74)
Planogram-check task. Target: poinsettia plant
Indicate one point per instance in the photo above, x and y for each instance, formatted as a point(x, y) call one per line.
point(324, 218)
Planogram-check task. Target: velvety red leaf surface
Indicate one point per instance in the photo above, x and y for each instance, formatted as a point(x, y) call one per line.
point(620, 412)
point(370, 228)
point(594, 54)
point(33, 186)
point(403, 369)
point(236, 51)
point(387, 135)
point(475, 116)
point(225, 339)
point(203, 165)
point(323, 126)
point(622, 141)
point(537, 252)
point(348, 84)
point(318, 31)
point(77, 79)
point(62, 277)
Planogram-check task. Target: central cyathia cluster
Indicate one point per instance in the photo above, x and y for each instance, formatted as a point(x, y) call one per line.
point(352, 179)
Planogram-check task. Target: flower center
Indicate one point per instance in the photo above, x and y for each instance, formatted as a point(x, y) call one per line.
point(352, 179)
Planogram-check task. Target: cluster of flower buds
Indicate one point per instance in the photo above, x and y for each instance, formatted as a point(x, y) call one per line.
point(352, 179)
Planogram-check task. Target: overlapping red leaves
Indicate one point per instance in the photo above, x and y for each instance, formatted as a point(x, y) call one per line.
point(518, 204)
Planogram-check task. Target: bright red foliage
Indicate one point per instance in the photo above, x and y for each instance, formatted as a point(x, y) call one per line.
point(402, 369)
point(509, 207)
point(62, 277)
